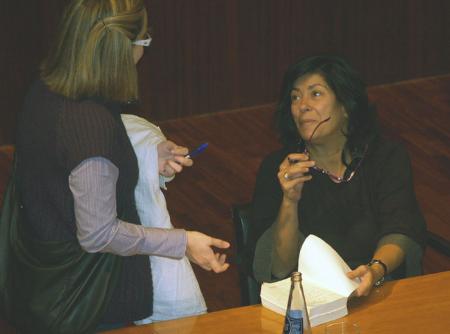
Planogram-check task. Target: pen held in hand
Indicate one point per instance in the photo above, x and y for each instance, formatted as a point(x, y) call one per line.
point(197, 151)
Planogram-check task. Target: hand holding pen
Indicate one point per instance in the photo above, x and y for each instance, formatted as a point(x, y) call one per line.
point(172, 158)
point(197, 151)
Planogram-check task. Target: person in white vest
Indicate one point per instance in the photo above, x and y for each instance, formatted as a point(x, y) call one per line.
point(176, 292)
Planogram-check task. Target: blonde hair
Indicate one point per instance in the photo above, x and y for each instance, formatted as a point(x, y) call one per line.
point(93, 52)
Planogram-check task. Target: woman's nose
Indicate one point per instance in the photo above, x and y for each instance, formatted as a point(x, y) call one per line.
point(304, 105)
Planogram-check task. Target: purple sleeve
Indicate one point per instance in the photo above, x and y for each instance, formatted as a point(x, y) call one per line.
point(93, 185)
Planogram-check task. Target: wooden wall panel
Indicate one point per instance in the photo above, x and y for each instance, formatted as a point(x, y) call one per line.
point(211, 55)
point(27, 29)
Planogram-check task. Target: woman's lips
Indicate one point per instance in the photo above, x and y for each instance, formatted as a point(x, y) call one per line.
point(307, 121)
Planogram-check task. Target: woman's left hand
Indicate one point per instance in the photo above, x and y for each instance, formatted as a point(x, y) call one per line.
point(368, 278)
point(171, 158)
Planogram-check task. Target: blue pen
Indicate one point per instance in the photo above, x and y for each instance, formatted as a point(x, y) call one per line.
point(197, 151)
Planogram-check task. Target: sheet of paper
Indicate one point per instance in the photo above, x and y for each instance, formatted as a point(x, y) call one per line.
point(320, 263)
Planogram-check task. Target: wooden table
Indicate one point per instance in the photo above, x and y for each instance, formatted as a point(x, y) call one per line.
point(409, 306)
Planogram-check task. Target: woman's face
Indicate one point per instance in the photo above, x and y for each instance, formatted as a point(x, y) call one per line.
point(313, 101)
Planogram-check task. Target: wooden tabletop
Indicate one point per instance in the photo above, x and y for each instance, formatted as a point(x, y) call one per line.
point(414, 305)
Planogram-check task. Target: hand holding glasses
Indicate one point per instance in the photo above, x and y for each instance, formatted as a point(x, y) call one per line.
point(350, 170)
point(293, 161)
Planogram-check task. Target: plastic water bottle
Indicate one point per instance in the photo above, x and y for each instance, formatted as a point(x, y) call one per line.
point(296, 320)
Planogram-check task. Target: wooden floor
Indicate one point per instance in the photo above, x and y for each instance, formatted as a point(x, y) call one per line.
point(417, 112)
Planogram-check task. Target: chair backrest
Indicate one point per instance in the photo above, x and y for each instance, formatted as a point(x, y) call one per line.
point(438, 243)
point(250, 288)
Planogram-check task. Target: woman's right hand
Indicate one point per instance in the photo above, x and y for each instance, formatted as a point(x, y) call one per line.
point(172, 158)
point(292, 175)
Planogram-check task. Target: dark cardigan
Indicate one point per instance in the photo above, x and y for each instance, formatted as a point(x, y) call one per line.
point(55, 135)
point(352, 217)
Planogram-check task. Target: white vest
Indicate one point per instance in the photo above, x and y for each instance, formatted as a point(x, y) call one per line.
point(176, 292)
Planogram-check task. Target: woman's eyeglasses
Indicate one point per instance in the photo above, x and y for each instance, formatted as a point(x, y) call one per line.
point(350, 170)
point(143, 42)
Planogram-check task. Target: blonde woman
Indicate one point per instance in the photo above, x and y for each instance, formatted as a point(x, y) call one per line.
point(80, 252)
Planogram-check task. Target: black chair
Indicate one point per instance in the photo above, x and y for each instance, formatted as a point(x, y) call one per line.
point(250, 288)
point(441, 245)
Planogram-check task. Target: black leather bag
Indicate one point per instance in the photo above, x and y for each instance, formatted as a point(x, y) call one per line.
point(50, 287)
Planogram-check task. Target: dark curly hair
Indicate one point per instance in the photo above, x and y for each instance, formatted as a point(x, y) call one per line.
point(350, 91)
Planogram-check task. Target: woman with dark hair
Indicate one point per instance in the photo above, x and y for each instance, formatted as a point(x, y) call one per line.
point(79, 254)
point(335, 177)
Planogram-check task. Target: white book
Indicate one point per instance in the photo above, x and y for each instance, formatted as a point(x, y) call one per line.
point(324, 281)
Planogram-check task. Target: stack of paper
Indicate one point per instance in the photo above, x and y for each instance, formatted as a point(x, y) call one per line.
point(325, 283)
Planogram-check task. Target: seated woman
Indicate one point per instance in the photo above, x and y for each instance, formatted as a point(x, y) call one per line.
point(335, 177)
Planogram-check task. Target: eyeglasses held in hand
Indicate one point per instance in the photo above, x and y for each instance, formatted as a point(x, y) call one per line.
point(350, 170)
point(143, 42)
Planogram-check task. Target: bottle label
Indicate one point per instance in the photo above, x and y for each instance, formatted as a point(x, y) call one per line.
point(293, 323)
